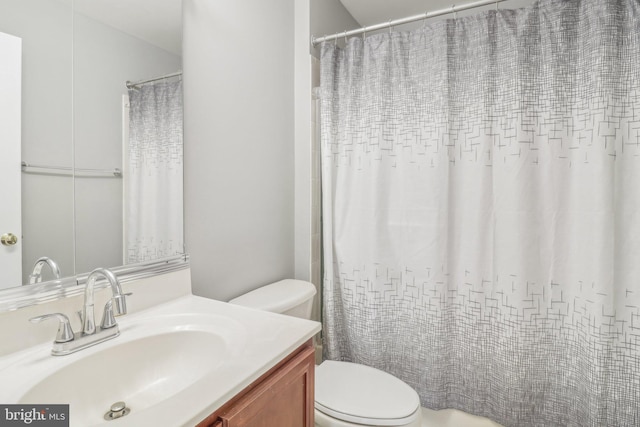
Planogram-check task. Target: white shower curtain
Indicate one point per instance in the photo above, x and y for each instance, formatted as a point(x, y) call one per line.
point(154, 213)
point(481, 211)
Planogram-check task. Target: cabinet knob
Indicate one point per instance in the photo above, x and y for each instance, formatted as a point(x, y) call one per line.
point(9, 239)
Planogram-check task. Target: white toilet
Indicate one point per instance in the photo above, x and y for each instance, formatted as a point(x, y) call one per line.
point(346, 394)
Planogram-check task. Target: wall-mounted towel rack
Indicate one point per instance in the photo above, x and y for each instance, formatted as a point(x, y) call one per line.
point(30, 167)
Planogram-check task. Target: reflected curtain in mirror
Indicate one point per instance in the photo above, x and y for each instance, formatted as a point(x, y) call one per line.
point(154, 180)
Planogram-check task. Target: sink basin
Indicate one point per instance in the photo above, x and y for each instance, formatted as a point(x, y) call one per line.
point(173, 364)
point(142, 373)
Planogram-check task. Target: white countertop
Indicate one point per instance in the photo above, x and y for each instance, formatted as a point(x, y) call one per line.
point(255, 341)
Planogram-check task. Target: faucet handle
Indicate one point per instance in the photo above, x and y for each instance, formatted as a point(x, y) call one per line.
point(108, 317)
point(65, 333)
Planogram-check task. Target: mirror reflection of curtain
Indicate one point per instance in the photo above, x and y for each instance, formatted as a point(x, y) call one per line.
point(153, 211)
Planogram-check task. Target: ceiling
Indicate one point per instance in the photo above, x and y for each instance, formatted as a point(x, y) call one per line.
point(156, 22)
point(369, 12)
point(160, 22)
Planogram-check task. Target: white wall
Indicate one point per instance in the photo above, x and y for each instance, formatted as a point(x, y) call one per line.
point(302, 129)
point(239, 145)
point(248, 158)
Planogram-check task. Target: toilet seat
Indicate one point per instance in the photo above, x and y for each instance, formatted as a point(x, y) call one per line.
point(363, 395)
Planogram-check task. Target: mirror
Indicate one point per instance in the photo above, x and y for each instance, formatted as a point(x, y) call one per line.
point(106, 208)
point(43, 220)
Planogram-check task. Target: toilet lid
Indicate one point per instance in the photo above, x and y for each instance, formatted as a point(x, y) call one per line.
point(360, 394)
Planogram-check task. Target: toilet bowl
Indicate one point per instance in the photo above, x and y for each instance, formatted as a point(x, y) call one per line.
point(346, 394)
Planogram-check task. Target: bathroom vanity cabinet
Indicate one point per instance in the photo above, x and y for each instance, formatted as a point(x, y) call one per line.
point(283, 397)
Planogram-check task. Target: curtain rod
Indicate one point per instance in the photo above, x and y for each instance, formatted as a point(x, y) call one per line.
point(413, 18)
point(167, 76)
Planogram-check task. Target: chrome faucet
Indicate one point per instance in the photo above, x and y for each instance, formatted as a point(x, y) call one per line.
point(118, 299)
point(36, 274)
point(67, 341)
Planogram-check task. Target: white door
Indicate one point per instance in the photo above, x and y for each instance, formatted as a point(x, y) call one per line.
point(10, 170)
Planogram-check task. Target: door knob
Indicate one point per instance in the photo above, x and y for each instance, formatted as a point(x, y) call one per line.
point(9, 239)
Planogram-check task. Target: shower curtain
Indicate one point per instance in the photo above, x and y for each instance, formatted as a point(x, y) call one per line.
point(153, 213)
point(481, 211)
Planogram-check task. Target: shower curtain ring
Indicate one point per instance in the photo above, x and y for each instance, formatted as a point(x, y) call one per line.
point(497, 2)
point(345, 37)
point(454, 11)
point(424, 20)
point(390, 26)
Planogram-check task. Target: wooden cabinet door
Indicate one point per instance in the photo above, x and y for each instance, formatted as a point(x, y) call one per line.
point(284, 397)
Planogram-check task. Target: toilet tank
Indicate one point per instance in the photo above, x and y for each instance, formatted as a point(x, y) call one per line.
point(291, 297)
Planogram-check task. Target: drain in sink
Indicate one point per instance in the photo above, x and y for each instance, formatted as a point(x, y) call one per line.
point(117, 410)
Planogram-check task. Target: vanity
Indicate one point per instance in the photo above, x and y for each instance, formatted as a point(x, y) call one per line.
point(281, 397)
point(179, 360)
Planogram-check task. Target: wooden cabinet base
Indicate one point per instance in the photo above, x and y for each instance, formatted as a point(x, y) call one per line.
point(283, 397)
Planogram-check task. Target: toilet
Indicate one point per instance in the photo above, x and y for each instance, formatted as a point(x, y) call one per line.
point(346, 394)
